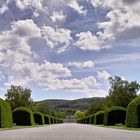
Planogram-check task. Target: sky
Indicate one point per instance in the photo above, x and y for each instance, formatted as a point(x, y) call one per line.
point(67, 49)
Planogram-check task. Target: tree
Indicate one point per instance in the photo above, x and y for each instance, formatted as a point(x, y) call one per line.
point(18, 96)
point(79, 115)
point(121, 92)
point(44, 108)
point(95, 107)
point(61, 115)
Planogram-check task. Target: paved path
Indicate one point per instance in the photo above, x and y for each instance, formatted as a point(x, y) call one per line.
point(69, 132)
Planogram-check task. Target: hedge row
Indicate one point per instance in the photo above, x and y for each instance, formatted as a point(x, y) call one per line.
point(117, 115)
point(111, 116)
point(5, 114)
point(24, 116)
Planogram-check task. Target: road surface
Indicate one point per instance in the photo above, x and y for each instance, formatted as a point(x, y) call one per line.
point(69, 132)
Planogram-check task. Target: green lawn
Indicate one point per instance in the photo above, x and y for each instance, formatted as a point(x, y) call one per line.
point(120, 127)
point(20, 127)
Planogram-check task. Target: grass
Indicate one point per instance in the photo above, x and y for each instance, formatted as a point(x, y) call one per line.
point(21, 127)
point(123, 127)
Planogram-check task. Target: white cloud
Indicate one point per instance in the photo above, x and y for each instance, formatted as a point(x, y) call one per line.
point(58, 16)
point(104, 75)
point(87, 41)
point(81, 65)
point(123, 20)
point(57, 37)
point(75, 5)
point(23, 4)
point(3, 9)
point(4, 6)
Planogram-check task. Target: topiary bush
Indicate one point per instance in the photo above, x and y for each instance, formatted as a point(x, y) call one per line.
point(38, 118)
point(92, 119)
point(99, 117)
point(5, 114)
point(88, 120)
point(114, 115)
point(133, 113)
point(23, 116)
point(51, 120)
point(47, 119)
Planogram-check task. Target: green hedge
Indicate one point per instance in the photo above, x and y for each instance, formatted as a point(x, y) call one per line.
point(23, 116)
point(115, 115)
point(47, 119)
point(88, 120)
point(99, 117)
point(38, 118)
point(133, 113)
point(5, 114)
point(92, 119)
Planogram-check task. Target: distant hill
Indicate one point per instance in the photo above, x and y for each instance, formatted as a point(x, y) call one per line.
point(65, 105)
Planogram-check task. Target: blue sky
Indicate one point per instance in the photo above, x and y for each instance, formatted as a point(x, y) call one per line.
point(64, 49)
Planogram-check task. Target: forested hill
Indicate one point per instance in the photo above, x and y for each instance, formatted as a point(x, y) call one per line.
point(81, 104)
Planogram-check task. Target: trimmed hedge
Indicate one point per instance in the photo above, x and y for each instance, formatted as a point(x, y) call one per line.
point(133, 113)
point(114, 115)
point(38, 118)
point(5, 114)
point(51, 120)
point(88, 120)
point(92, 119)
point(99, 117)
point(23, 116)
point(47, 119)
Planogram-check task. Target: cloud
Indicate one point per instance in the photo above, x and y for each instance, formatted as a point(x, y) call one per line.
point(75, 5)
point(58, 16)
point(23, 4)
point(122, 22)
point(57, 37)
point(4, 6)
point(103, 75)
point(88, 41)
point(82, 65)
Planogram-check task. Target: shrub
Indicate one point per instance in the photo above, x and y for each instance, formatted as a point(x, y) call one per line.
point(23, 116)
point(99, 117)
point(92, 119)
point(38, 118)
point(51, 120)
point(5, 114)
point(47, 119)
point(88, 120)
point(114, 115)
point(133, 113)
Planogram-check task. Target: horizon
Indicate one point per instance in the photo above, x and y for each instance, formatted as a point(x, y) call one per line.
point(68, 49)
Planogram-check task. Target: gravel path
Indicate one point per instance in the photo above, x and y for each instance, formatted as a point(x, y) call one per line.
point(69, 132)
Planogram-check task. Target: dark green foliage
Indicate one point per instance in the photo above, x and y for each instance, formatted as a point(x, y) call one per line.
point(5, 114)
point(99, 117)
point(96, 106)
point(17, 96)
point(47, 119)
point(133, 114)
point(44, 108)
point(38, 118)
point(92, 119)
point(61, 115)
point(51, 120)
point(70, 106)
point(79, 114)
point(121, 92)
point(88, 120)
point(114, 115)
point(23, 116)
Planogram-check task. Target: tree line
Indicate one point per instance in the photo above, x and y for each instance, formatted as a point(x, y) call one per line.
point(121, 93)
